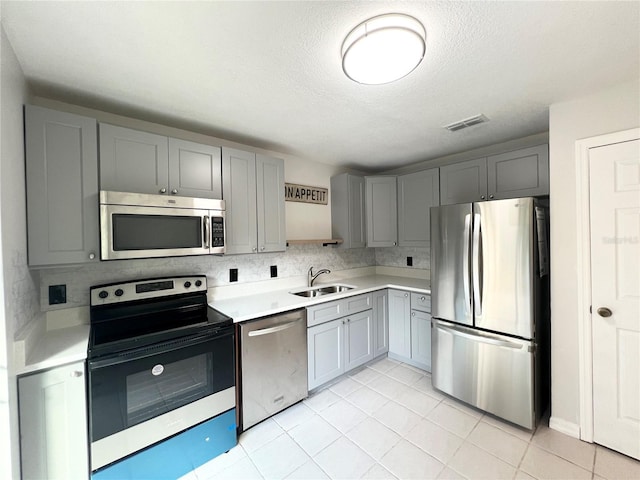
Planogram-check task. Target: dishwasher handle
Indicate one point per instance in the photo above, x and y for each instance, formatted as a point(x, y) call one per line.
point(274, 329)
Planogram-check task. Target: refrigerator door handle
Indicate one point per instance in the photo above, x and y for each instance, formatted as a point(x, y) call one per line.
point(478, 337)
point(477, 265)
point(465, 263)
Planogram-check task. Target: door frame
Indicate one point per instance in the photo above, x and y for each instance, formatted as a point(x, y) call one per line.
point(583, 270)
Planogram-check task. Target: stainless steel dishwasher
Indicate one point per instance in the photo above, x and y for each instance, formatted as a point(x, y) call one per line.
point(273, 365)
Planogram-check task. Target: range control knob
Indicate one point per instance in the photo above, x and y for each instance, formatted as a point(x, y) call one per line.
point(187, 284)
point(119, 292)
point(198, 283)
point(103, 294)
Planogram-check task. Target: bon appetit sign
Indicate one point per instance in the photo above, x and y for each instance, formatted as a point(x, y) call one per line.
point(305, 194)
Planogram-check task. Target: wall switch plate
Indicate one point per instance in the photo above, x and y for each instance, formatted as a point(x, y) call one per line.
point(57, 294)
point(233, 274)
point(274, 271)
point(409, 261)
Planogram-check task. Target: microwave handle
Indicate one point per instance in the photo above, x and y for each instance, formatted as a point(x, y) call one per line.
point(207, 235)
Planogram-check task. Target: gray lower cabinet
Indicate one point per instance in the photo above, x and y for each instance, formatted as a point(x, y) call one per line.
point(380, 323)
point(399, 324)
point(410, 328)
point(53, 424)
point(253, 190)
point(519, 173)
point(358, 339)
point(417, 193)
point(62, 187)
point(348, 211)
point(142, 162)
point(382, 211)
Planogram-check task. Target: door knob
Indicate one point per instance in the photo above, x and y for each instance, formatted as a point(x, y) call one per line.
point(604, 312)
point(163, 190)
point(174, 191)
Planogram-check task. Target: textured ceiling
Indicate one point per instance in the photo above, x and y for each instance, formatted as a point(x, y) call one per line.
point(268, 74)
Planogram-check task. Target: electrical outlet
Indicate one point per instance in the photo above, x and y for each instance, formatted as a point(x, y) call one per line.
point(233, 274)
point(409, 261)
point(57, 294)
point(274, 271)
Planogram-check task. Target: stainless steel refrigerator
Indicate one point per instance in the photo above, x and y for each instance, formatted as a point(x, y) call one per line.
point(489, 306)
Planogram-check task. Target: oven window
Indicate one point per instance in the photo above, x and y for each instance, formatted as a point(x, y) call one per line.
point(151, 232)
point(166, 386)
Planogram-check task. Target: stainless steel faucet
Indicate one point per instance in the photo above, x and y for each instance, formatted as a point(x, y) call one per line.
point(311, 277)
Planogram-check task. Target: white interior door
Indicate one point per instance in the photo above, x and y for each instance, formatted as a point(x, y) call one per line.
point(615, 266)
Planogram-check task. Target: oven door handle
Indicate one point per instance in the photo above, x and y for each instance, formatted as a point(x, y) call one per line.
point(277, 328)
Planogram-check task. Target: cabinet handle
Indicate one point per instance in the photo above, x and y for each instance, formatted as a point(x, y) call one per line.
point(174, 191)
point(394, 244)
point(490, 196)
point(413, 314)
point(163, 190)
point(76, 373)
point(262, 248)
point(482, 197)
point(343, 322)
point(348, 319)
point(254, 249)
point(92, 256)
point(406, 294)
point(422, 299)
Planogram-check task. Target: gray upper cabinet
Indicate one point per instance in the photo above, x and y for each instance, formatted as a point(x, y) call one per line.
point(382, 211)
point(142, 162)
point(62, 187)
point(194, 169)
point(520, 173)
point(347, 210)
point(417, 193)
point(133, 161)
point(253, 190)
point(463, 182)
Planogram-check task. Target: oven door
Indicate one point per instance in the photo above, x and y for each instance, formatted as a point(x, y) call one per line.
point(141, 232)
point(142, 396)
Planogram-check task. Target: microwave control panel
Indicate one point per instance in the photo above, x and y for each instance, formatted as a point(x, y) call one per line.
point(217, 231)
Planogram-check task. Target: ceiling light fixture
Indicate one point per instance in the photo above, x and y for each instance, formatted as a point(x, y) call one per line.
point(383, 49)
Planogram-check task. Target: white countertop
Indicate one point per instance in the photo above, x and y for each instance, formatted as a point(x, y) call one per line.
point(53, 348)
point(249, 307)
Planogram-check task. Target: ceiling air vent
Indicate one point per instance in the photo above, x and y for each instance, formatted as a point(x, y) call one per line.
point(467, 122)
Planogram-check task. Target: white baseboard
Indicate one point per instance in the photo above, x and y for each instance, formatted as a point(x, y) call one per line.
point(563, 426)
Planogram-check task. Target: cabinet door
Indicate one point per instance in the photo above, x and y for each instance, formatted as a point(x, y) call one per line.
point(421, 338)
point(325, 352)
point(417, 193)
point(523, 173)
point(358, 339)
point(380, 323)
point(239, 194)
point(61, 153)
point(347, 210)
point(270, 204)
point(399, 323)
point(133, 161)
point(194, 169)
point(463, 182)
point(382, 211)
point(53, 424)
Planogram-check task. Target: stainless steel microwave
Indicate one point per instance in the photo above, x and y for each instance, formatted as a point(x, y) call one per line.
point(137, 225)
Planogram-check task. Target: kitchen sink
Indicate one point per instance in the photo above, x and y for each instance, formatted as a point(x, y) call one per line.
point(322, 290)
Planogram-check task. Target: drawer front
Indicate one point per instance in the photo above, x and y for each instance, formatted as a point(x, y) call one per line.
point(421, 301)
point(358, 303)
point(325, 311)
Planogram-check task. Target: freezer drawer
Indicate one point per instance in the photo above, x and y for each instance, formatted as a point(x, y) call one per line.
point(492, 372)
point(274, 365)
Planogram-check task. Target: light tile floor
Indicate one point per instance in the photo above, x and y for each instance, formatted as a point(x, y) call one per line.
point(386, 421)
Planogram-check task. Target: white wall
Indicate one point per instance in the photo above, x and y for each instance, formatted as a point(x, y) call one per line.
point(18, 292)
point(608, 111)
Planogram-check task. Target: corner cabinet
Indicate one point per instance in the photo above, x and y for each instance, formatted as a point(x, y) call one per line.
point(62, 187)
point(520, 173)
point(347, 210)
point(53, 423)
point(382, 211)
point(253, 191)
point(142, 162)
point(417, 193)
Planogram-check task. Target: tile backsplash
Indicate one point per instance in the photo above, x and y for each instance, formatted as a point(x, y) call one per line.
point(251, 268)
